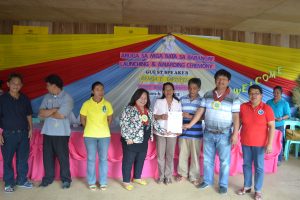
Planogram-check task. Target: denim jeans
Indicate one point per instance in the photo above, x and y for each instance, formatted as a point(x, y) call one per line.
point(213, 143)
point(280, 156)
point(94, 145)
point(256, 155)
point(15, 142)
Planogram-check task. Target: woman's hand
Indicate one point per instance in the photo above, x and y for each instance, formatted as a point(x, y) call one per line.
point(164, 117)
point(129, 142)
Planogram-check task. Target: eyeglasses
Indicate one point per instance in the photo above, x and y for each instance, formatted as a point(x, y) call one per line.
point(254, 94)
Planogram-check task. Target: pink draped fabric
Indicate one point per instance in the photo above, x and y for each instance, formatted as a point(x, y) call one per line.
point(78, 158)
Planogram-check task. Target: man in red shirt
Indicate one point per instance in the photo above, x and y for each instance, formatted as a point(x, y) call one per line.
point(257, 132)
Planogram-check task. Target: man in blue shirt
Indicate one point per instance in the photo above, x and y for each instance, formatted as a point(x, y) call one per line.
point(282, 112)
point(16, 122)
point(55, 109)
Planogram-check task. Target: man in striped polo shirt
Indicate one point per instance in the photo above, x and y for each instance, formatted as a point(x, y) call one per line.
point(221, 107)
point(191, 139)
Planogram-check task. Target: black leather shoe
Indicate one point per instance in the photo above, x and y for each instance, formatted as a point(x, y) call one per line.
point(66, 185)
point(43, 184)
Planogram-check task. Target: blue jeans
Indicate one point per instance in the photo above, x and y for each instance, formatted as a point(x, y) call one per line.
point(213, 143)
point(15, 142)
point(94, 145)
point(256, 155)
point(281, 128)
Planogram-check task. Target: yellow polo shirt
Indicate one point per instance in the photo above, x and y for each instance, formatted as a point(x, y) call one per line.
point(96, 118)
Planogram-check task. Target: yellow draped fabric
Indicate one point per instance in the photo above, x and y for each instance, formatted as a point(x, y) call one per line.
point(259, 57)
point(20, 50)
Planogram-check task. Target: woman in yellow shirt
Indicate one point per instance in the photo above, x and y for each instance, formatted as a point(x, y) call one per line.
point(96, 116)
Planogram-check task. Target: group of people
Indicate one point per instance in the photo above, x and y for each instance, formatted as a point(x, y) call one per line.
point(224, 119)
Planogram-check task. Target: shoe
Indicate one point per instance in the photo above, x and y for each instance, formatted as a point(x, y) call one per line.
point(257, 196)
point(103, 187)
point(9, 189)
point(159, 180)
point(26, 184)
point(66, 185)
point(222, 190)
point(43, 184)
point(195, 182)
point(278, 163)
point(93, 187)
point(179, 178)
point(244, 191)
point(168, 181)
point(203, 185)
point(140, 181)
point(128, 186)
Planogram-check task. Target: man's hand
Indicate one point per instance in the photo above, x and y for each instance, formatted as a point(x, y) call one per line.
point(1, 140)
point(186, 126)
point(234, 139)
point(269, 148)
point(30, 134)
point(187, 115)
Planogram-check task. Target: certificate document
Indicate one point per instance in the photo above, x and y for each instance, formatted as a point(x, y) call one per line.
point(174, 122)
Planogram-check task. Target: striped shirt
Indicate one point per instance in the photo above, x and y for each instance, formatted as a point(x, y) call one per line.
point(191, 106)
point(220, 119)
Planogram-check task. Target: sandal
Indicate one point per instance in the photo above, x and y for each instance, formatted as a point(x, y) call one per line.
point(179, 178)
point(160, 180)
point(168, 181)
point(195, 182)
point(140, 181)
point(244, 191)
point(128, 186)
point(257, 196)
point(103, 187)
point(93, 187)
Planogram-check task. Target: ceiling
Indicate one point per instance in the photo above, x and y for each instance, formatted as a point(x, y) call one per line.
point(272, 16)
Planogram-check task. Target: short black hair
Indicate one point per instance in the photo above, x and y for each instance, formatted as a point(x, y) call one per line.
point(196, 81)
point(1, 82)
point(256, 87)
point(222, 72)
point(277, 87)
point(15, 75)
point(137, 94)
point(54, 79)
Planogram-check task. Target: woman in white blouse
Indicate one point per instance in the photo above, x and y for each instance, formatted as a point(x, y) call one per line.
point(165, 144)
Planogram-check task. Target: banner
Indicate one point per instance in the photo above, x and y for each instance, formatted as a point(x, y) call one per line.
point(30, 30)
point(122, 30)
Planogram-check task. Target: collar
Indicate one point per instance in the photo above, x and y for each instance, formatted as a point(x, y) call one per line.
point(101, 102)
point(59, 95)
point(259, 106)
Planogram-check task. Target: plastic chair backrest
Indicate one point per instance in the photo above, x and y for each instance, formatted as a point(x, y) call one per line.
point(292, 125)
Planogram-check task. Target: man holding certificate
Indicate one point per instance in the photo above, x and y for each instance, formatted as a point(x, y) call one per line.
point(221, 107)
point(167, 111)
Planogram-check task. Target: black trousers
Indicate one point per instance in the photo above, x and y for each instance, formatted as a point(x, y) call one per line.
point(132, 158)
point(15, 142)
point(56, 147)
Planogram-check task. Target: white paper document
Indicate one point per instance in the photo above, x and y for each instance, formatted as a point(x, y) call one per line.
point(174, 122)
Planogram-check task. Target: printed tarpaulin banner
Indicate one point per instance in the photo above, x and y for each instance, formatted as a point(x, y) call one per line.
point(125, 63)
